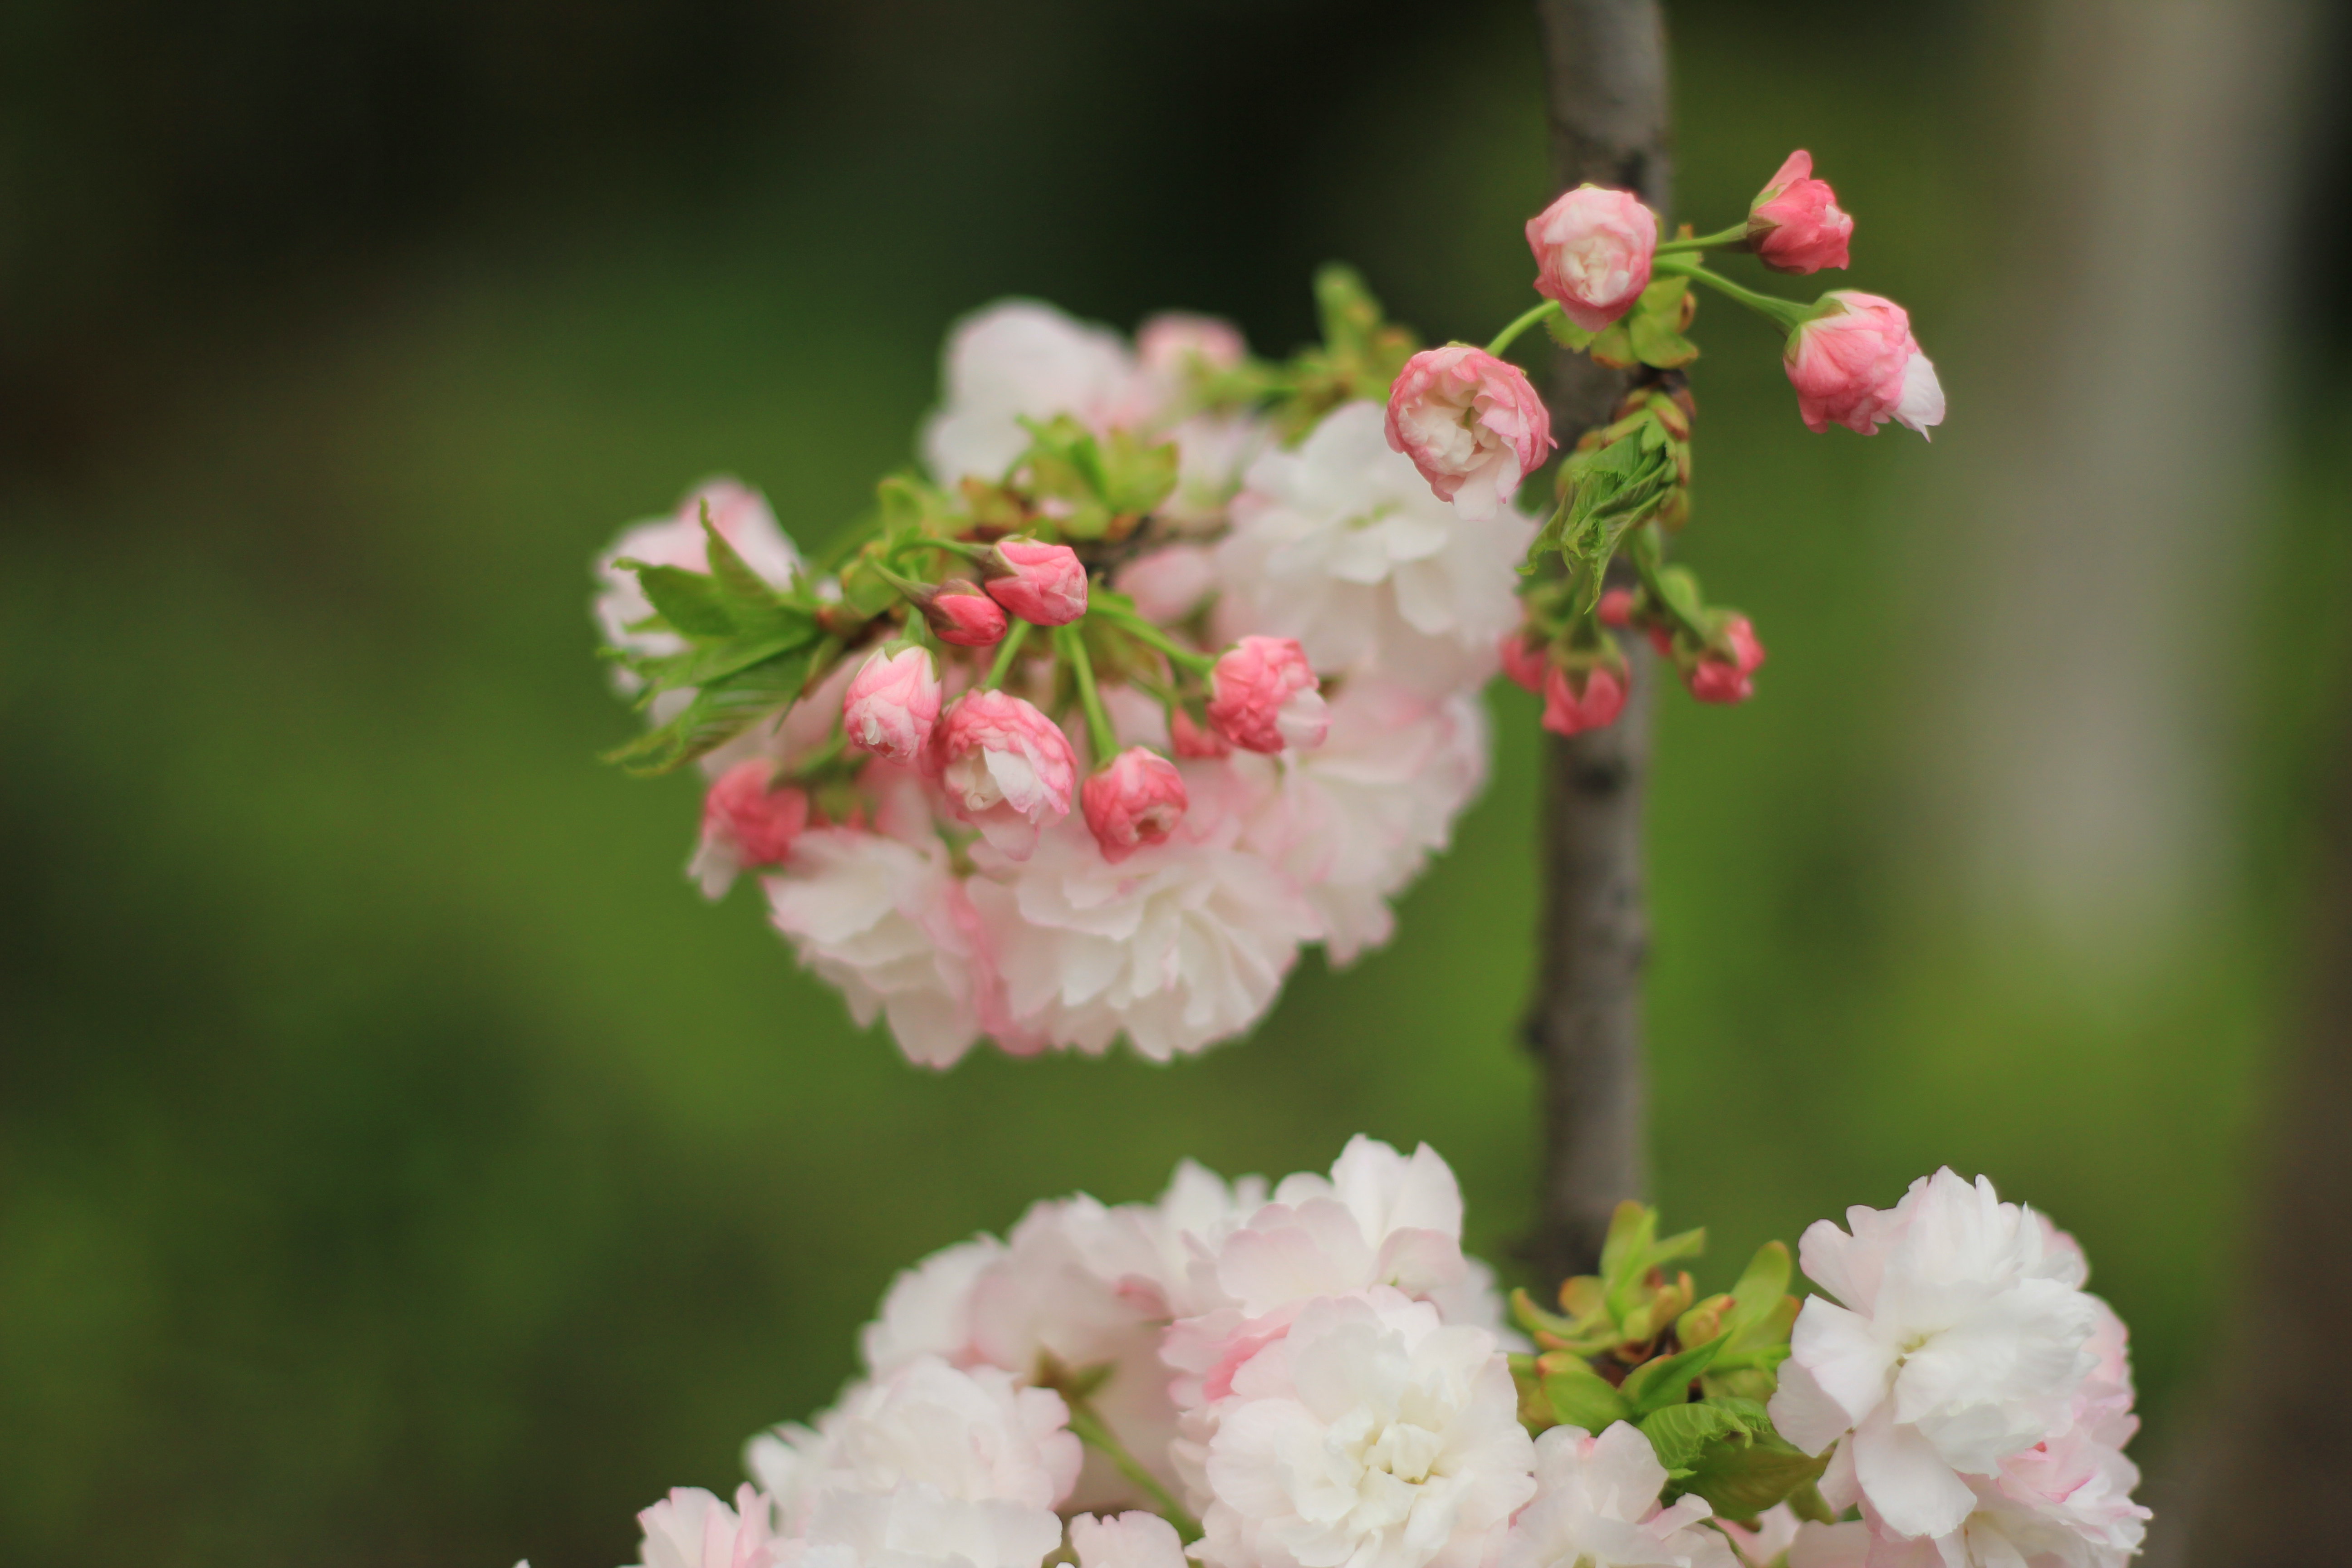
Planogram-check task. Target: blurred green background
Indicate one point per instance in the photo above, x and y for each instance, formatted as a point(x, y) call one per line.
point(399, 1163)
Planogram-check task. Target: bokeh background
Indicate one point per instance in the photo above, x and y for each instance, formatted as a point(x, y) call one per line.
point(399, 1162)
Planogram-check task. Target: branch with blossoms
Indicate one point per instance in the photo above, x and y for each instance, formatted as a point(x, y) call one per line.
point(1317, 1374)
point(1165, 663)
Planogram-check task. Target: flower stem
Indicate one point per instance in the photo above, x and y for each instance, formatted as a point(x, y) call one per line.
point(1527, 318)
point(1787, 313)
point(1143, 631)
point(1071, 644)
point(1089, 1429)
point(1736, 234)
point(1006, 652)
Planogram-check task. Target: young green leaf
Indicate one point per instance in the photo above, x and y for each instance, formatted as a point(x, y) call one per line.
point(1680, 1433)
point(1665, 1381)
point(1580, 1397)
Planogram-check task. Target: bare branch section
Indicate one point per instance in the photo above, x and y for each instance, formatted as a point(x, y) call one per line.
point(1606, 83)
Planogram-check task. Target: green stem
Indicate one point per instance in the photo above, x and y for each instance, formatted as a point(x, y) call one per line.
point(1090, 1430)
point(1787, 313)
point(1071, 644)
point(1527, 318)
point(914, 593)
point(1736, 234)
point(1006, 652)
point(1143, 631)
point(1648, 550)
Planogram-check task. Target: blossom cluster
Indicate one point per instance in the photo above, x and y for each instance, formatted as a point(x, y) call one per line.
point(1124, 700)
point(1167, 661)
point(1315, 1374)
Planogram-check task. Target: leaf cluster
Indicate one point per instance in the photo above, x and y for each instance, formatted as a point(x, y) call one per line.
point(1359, 357)
point(1627, 473)
point(1651, 332)
point(1631, 1344)
point(750, 649)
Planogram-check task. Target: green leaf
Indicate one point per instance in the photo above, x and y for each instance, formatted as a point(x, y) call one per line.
point(1136, 477)
point(1580, 1397)
point(721, 711)
point(1614, 348)
point(1807, 1503)
point(1740, 1476)
point(1654, 342)
point(866, 590)
point(734, 576)
point(1762, 1284)
point(1680, 1433)
point(1567, 334)
point(712, 661)
point(691, 602)
point(1655, 1385)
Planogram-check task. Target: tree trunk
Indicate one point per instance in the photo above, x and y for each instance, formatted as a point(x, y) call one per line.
point(1606, 84)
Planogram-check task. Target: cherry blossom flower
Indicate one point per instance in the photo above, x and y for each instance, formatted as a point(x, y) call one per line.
point(742, 518)
point(892, 703)
point(1354, 821)
point(1180, 945)
point(1134, 1540)
point(1264, 696)
point(1008, 770)
point(1471, 423)
point(1714, 678)
point(1795, 224)
point(1045, 585)
point(1341, 544)
point(1525, 663)
point(1175, 341)
point(1577, 701)
point(1021, 359)
point(1169, 584)
point(1759, 1542)
point(746, 823)
point(889, 924)
point(1593, 248)
point(916, 1527)
point(692, 1529)
point(960, 613)
point(1138, 799)
point(1596, 1506)
point(1961, 1342)
point(1372, 1433)
point(1857, 364)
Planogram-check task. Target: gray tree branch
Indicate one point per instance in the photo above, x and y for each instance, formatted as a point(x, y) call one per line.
point(1606, 85)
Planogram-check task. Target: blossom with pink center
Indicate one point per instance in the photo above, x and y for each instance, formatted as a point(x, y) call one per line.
point(1264, 696)
point(1576, 700)
point(1138, 799)
point(1471, 423)
point(746, 823)
point(1715, 679)
point(892, 704)
point(1525, 663)
point(1020, 360)
point(1857, 364)
point(960, 614)
point(1593, 248)
point(1795, 224)
point(692, 1529)
point(1045, 585)
point(1007, 769)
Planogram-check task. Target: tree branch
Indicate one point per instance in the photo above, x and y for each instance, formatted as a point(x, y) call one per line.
point(1606, 83)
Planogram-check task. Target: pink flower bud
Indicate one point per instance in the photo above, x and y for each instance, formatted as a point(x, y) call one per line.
point(891, 705)
point(746, 823)
point(1191, 740)
point(1176, 340)
point(1139, 799)
point(1045, 585)
point(1795, 224)
point(1575, 701)
point(1472, 424)
point(1006, 768)
point(962, 615)
point(1525, 662)
point(1856, 365)
point(1715, 679)
point(1616, 608)
point(1262, 696)
point(1593, 248)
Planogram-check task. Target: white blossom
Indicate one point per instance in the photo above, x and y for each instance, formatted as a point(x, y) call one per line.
point(1020, 359)
point(1962, 1342)
point(1371, 1435)
point(1126, 1540)
point(887, 921)
point(1182, 944)
point(1341, 544)
point(692, 1529)
point(1596, 1506)
point(928, 1309)
point(916, 1527)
